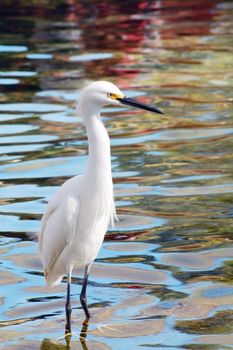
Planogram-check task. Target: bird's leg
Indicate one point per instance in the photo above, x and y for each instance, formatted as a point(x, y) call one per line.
point(83, 292)
point(68, 305)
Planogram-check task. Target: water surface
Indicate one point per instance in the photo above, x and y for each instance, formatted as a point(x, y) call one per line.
point(163, 278)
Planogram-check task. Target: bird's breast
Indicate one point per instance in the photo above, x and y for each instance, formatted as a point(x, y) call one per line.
point(96, 204)
point(90, 233)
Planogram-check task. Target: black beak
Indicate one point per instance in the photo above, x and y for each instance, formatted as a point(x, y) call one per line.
point(131, 102)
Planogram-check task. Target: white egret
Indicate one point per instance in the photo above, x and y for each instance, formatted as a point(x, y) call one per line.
point(77, 216)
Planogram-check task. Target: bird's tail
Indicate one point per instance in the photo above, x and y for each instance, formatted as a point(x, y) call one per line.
point(53, 278)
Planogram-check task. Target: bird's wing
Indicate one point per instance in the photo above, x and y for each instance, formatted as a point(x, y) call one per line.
point(58, 230)
point(55, 202)
point(50, 209)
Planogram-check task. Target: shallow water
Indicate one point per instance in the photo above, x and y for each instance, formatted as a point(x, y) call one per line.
point(163, 278)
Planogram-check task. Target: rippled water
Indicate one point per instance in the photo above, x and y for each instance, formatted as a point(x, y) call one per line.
point(163, 278)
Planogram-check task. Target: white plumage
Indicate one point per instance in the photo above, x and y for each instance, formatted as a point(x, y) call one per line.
point(77, 216)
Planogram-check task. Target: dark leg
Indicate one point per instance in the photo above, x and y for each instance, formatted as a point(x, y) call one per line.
point(68, 306)
point(83, 292)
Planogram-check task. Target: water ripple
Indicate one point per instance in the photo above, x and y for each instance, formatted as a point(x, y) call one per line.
point(163, 278)
point(31, 107)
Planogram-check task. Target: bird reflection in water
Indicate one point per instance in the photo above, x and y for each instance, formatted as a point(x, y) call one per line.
point(48, 344)
point(83, 334)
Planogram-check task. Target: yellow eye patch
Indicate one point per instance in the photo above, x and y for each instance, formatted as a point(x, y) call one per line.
point(115, 96)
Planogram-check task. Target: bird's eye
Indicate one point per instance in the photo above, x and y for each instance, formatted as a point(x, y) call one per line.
point(109, 94)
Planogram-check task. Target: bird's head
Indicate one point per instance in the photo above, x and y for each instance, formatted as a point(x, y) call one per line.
point(103, 93)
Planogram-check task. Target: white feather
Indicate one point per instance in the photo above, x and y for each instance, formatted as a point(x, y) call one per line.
point(77, 216)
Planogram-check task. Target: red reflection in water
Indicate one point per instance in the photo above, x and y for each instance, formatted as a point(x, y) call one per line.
point(125, 29)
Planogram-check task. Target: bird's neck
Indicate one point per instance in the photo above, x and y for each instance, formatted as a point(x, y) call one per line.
point(99, 155)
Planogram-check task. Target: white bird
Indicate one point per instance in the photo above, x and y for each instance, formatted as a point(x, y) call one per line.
point(77, 216)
